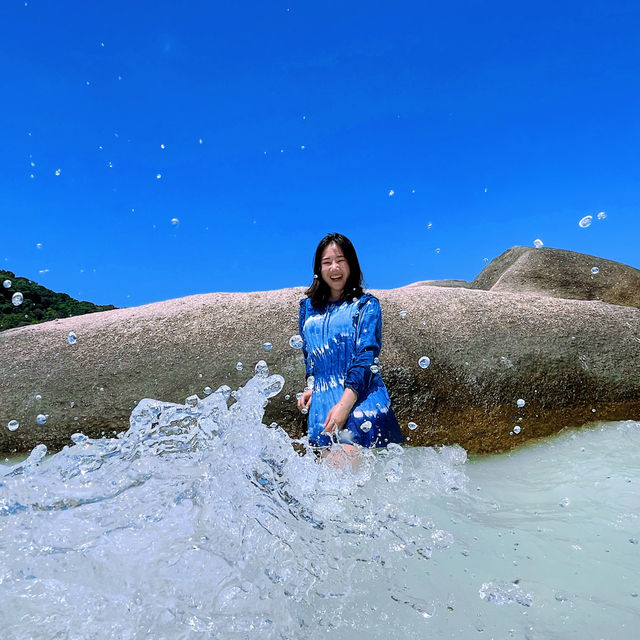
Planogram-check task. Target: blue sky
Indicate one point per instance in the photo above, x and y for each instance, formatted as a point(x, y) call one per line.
point(496, 122)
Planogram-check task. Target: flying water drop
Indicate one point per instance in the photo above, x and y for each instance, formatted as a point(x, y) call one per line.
point(424, 362)
point(602, 215)
point(402, 314)
point(267, 346)
point(295, 342)
point(537, 243)
point(41, 418)
point(6, 284)
point(13, 425)
point(17, 299)
point(262, 369)
point(516, 429)
point(413, 426)
point(208, 390)
point(374, 368)
point(72, 338)
point(594, 270)
point(239, 366)
point(366, 426)
point(520, 402)
point(585, 222)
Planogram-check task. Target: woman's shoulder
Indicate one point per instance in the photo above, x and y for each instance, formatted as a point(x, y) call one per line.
point(368, 299)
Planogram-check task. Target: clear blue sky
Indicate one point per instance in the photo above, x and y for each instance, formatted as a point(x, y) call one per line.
point(498, 122)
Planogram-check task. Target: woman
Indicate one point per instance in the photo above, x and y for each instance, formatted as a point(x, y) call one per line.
point(341, 328)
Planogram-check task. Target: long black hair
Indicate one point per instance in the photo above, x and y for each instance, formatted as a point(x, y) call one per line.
point(319, 291)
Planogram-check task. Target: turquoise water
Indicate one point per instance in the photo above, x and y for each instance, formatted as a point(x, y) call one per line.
point(201, 522)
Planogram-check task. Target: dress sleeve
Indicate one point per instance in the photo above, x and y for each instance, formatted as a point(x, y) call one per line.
point(301, 318)
point(368, 344)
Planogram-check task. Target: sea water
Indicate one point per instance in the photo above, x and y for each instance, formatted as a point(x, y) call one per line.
point(202, 522)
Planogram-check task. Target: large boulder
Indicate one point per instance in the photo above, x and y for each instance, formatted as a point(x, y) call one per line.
point(561, 274)
point(572, 361)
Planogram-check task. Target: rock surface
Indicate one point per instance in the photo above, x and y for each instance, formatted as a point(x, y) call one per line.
point(561, 274)
point(572, 361)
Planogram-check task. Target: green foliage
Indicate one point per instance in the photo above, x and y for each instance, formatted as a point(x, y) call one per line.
point(40, 304)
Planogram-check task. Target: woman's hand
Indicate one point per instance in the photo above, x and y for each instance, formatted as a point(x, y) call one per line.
point(304, 401)
point(336, 418)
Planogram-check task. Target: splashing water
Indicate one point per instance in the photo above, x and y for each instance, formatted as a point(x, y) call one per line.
point(200, 521)
point(585, 222)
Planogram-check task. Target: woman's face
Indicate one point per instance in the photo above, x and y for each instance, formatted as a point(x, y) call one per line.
point(334, 269)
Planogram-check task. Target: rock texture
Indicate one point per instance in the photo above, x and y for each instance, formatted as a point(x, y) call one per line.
point(561, 274)
point(572, 361)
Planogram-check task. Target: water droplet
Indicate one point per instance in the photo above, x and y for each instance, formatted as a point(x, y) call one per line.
point(520, 402)
point(429, 225)
point(13, 425)
point(208, 390)
point(402, 314)
point(537, 243)
point(374, 368)
point(162, 146)
point(595, 270)
point(58, 172)
point(72, 338)
point(6, 284)
point(287, 397)
point(311, 382)
point(158, 176)
point(79, 438)
point(602, 215)
point(39, 245)
point(516, 429)
point(17, 299)
point(391, 192)
point(304, 411)
point(366, 426)
point(565, 502)
point(41, 418)
point(315, 276)
point(262, 369)
point(299, 395)
point(192, 401)
point(175, 221)
point(239, 366)
point(200, 140)
point(585, 222)
point(413, 426)
point(267, 346)
point(38, 397)
point(424, 362)
point(438, 250)
point(295, 342)
point(376, 361)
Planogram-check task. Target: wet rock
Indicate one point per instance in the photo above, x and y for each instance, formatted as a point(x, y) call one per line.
point(572, 361)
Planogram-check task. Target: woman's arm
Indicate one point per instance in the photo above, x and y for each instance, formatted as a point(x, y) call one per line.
point(368, 345)
point(358, 377)
point(304, 402)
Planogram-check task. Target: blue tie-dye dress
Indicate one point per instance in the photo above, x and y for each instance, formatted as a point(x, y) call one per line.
point(340, 343)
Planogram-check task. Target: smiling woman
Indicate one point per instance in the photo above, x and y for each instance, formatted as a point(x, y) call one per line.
point(341, 327)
